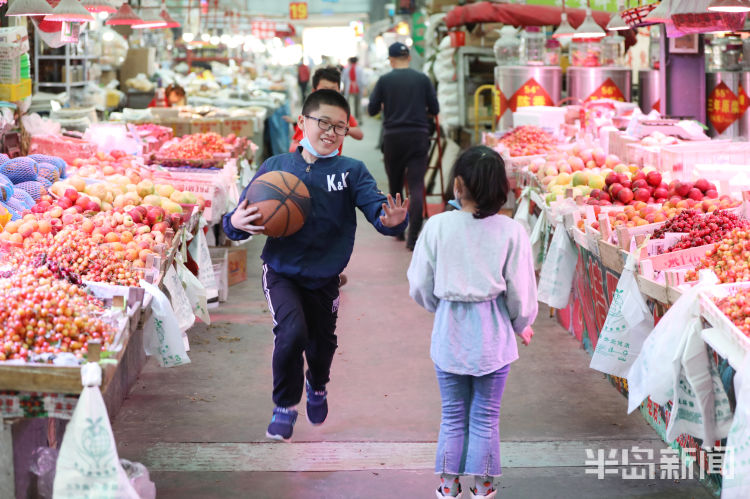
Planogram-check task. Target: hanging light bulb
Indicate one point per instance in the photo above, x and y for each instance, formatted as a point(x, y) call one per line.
point(589, 28)
point(660, 14)
point(188, 37)
point(125, 16)
point(98, 6)
point(171, 21)
point(565, 30)
point(729, 6)
point(70, 11)
point(29, 8)
point(150, 20)
point(617, 23)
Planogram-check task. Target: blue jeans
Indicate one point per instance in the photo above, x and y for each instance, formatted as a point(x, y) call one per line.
point(469, 441)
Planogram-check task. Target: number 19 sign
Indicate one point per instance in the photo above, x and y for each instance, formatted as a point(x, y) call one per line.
point(297, 10)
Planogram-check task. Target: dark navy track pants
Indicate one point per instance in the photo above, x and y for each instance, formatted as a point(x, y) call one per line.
point(304, 322)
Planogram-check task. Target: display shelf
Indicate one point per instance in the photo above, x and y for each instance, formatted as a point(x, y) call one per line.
point(63, 57)
point(69, 61)
point(57, 85)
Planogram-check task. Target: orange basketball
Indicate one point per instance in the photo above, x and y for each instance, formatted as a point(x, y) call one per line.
point(283, 200)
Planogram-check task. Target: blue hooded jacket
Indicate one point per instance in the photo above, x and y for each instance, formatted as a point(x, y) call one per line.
point(321, 249)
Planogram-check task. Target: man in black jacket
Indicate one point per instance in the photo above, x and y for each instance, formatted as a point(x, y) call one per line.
point(406, 98)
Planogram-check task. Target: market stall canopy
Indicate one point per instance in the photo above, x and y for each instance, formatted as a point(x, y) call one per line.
point(518, 15)
point(525, 15)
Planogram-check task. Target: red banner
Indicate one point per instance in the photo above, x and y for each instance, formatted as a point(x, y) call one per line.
point(743, 99)
point(607, 90)
point(723, 107)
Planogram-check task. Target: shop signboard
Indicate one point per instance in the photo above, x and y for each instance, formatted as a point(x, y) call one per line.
point(297, 10)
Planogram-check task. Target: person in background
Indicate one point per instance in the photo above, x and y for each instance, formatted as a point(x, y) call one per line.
point(303, 78)
point(174, 96)
point(328, 78)
point(474, 269)
point(406, 97)
point(354, 83)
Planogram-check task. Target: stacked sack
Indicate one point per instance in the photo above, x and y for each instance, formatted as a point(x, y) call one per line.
point(447, 87)
point(25, 179)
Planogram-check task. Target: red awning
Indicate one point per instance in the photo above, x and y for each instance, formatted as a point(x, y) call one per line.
point(526, 15)
point(518, 15)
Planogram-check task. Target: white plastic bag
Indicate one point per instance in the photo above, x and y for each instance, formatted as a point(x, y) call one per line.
point(556, 278)
point(161, 334)
point(697, 393)
point(522, 212)
point(179, 300)
point(736, 466)
point(652, 374)
point(194, 289)
point(88, 466)
point(198, 249)
point(628, 323)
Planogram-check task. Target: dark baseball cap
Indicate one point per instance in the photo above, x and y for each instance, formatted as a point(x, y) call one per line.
point(398, 49)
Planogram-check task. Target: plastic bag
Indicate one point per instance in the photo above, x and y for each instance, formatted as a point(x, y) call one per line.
point(650, 374)
point(736, 466)
point(140, 479)
point(179, 300)
point(44, 465)
point(522, 212)
point(161, 334)
point(698, 393)
point(556, 278)
point(88, 466)
point(198, 249)
point(628, 323)
point(194, 289)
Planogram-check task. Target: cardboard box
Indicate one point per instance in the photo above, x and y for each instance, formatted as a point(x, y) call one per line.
point(240, 126)
point(179, 126)
point(207, 125)
point(140, 60)
point(236, 266)
point(437, 6)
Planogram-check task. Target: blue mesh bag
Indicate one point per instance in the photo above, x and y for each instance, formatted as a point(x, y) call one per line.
point(14, 215)
point(33, 188)
point(24, 197)
point(46, 183)
point(58, 162)
point(16, 205)
point(4, 158)
point(6, 188)
point(19, 169)
point(48, 171)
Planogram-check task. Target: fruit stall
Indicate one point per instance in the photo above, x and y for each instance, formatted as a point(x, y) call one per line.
point(102, 253)
point(662, 237)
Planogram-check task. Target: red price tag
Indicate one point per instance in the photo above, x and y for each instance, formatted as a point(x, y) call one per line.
point(297, 10)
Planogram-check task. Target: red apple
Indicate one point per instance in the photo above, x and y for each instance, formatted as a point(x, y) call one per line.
point(641, 195)
point(702, 184)
point(71, 194)
point(661, 193)
point(638, 175)
point(160, 227)
point(712, 194)
point(626, 183)
point(614, 189)
point(639, 183)
point(611, 178)
point(695, 194)
point(654, 179)
point(683, 188)
point(154, 215)
point(625, 195)
point(595, 193)
point(605, 197)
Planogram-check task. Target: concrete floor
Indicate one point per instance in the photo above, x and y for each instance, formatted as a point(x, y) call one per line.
point(200, 428)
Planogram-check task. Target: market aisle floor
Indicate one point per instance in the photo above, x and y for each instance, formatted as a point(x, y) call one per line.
point(200, 428)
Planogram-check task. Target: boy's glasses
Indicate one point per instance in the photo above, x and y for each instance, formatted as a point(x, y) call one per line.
point(326, 125)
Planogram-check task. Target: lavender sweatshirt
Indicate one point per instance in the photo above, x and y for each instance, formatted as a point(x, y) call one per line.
point(477, 275)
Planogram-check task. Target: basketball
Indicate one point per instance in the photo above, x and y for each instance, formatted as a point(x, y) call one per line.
point(282, 199)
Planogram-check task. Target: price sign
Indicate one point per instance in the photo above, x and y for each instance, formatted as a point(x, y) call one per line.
point(297, 10)
point(742, 98)
point(531, 93)
point(607, 90)
point(723, 107)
